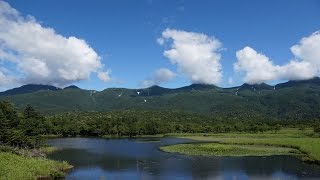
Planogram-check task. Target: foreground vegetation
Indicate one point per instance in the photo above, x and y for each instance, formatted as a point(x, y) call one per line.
point(14, 166)
point(21, 156)
point(304, 143)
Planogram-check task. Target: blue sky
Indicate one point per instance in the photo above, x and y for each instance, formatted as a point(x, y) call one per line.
point(124, 33)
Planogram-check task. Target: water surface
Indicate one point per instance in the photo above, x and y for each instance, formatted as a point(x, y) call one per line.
point(96, 158)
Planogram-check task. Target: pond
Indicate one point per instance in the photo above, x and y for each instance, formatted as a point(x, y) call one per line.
point(140, 158)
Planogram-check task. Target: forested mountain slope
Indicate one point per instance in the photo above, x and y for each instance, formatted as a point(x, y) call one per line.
point(291, 100)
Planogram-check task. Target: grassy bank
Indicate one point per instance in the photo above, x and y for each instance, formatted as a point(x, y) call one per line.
point(287, 141)
point(48, 149)
point(215, 149)
point(137, 136)
point(14, 166)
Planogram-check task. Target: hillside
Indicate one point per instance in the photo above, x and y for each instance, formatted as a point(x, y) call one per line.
point(291, 100)
point(29, 88)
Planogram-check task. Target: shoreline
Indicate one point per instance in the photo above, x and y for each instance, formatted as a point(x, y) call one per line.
point(31, 164)
point(307, 149)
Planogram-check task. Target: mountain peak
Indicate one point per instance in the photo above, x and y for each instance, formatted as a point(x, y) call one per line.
point(312, 80)
point(198, 87)
point(262, 86)
point(155, 87)
point(29, 88)
point(291, 83)
point(71, 87)
point(155, 90)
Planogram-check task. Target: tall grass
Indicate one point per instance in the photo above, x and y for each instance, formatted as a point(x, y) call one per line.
point(13, 166)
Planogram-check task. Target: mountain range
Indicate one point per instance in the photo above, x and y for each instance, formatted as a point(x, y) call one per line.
point(290, 100)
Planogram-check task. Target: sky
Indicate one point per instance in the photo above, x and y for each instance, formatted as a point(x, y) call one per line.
point(134, 44)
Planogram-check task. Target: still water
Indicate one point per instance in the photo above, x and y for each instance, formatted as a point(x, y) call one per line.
point(96, 158)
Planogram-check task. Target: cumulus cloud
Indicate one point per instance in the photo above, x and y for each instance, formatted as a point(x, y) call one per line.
point(160, 76)
point(196, 55)
point(4, 79)
point(258, 68)
point(104, 76)
point(308, 49)
point(42, 55)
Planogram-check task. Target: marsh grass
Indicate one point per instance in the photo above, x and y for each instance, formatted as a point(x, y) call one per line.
point(14, 166)
point(48, 149)
point(287, 141)
point(216, 149)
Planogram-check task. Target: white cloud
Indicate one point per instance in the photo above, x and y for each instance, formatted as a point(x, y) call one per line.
point(104, 76)
point(41, 54)
point(308, 49)
point(4, 79)
point(160, 41)
point(160, 76)
point(196, 55)
point(258, 68)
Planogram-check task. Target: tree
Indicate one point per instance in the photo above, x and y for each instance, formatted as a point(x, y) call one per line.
point(30, 112)
point(9, 113)
point(4, 127)
point(32, 123)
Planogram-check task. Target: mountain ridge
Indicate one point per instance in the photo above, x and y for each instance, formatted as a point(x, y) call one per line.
point(30, 88)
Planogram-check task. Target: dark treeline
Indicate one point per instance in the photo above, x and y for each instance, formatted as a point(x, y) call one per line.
point(147, 122)
point(25, 128)
point(139, 122)
point(22, 129)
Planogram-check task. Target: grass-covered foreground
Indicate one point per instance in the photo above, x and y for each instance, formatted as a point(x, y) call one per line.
point(284, 142)
point(13, 166)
